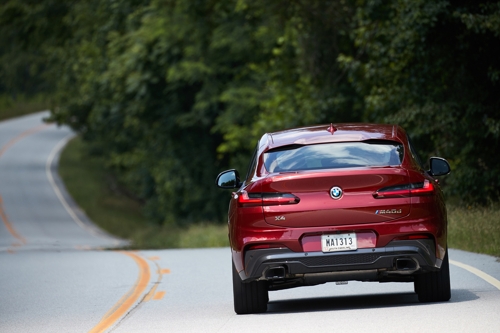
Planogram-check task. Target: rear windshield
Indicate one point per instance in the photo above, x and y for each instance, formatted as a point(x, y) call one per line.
point(334, 155)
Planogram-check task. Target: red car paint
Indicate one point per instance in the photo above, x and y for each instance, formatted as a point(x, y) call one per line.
point(317, 213)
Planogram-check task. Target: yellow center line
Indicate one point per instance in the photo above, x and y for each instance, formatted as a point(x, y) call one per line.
point(22, 136)
point(9, 226)
point(3, 215)
point(127, 301)
point(486, 277)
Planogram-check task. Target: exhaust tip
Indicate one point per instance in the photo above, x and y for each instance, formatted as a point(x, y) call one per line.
point(406, 264)
point(275, 273)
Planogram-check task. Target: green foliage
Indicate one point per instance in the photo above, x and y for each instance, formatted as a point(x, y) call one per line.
point(432, 67)
point(174, 91)
point(22, 105)
point(28, 29)
point(171, 92)
point(96, 192)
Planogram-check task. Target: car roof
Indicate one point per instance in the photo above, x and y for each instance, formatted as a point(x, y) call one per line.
point(343, 132)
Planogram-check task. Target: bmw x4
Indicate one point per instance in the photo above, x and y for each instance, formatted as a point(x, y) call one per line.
point(336, 203)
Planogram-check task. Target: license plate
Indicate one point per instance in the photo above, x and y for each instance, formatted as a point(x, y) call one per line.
point(339, 242)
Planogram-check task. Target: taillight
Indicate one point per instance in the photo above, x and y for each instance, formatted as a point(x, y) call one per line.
point(424, 188)
point(246, 199)
point(406, 190)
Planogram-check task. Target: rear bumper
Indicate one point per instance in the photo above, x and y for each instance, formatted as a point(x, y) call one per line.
point(382, 260)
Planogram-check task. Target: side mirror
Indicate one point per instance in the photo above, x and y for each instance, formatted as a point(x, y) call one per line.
point(228, 179)
point(439, 166)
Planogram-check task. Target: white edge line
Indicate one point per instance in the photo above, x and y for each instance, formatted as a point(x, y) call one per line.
point(486, 277)
point(56, 189)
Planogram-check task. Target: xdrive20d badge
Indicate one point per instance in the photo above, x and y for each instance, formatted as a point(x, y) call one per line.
point(336, 202)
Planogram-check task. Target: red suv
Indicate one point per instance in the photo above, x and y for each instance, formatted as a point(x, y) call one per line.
point(336, 202)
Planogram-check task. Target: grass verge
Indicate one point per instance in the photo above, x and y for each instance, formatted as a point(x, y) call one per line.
point(475, 229)
point(10, 108)
point(85, 179)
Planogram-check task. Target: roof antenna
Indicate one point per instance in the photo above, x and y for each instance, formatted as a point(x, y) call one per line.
point(331, 129)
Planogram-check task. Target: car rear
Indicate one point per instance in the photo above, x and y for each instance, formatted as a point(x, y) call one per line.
point(355, 205)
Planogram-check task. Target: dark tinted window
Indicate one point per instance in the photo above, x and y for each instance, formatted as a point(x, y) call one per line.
point(334, 155)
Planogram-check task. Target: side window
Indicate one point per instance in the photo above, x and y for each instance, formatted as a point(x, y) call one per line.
point(252, 165)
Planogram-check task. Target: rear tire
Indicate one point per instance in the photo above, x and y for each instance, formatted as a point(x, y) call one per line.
point(434, 286)
point(250, 297)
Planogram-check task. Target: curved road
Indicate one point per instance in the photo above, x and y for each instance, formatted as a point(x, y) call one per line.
point(56, 276)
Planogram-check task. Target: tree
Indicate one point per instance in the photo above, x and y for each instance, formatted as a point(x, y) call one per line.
point(433, 67)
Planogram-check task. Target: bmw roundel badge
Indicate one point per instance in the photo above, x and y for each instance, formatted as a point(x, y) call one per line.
point(336, 192)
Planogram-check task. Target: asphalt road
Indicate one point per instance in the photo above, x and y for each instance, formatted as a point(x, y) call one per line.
point(56, 276)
